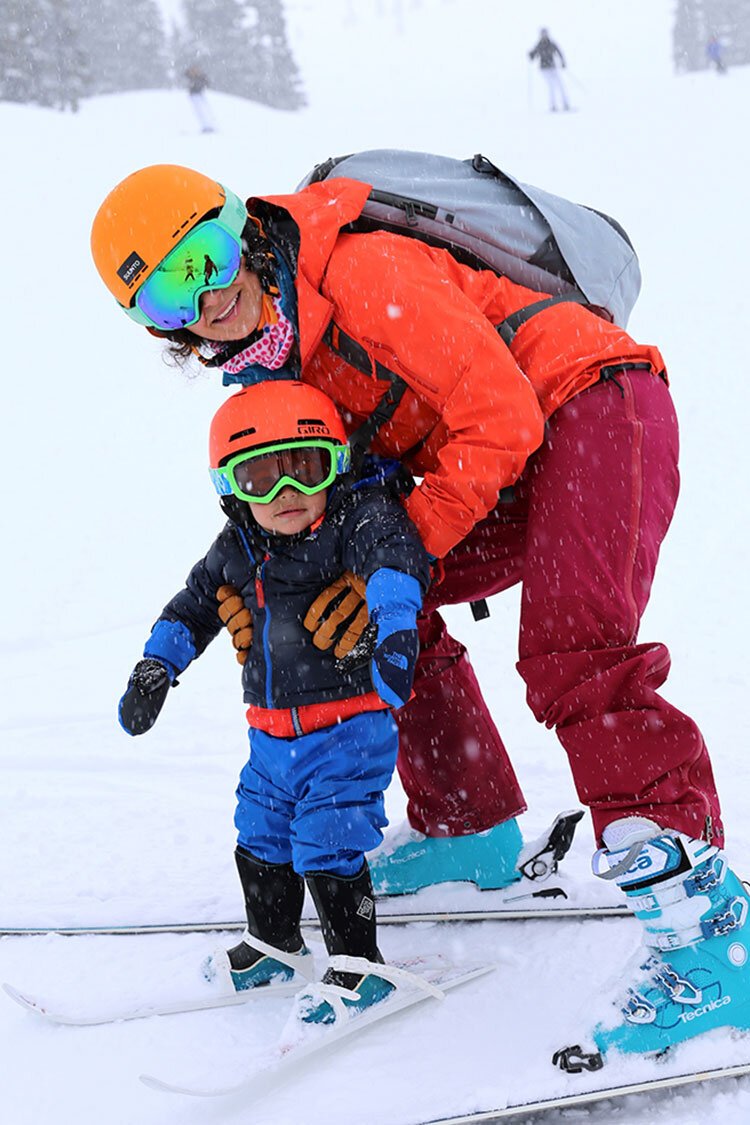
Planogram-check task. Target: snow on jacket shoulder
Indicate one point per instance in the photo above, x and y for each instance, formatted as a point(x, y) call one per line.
point(364, 529)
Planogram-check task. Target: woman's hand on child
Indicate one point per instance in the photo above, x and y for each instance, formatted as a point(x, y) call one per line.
point(144, 698)
point(338, 615)
point(237, 618)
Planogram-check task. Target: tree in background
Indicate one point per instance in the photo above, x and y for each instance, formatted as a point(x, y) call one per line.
point(42, 58)
point(126, 44)
point(697, 21)
point(54, 52)
point(242, 46)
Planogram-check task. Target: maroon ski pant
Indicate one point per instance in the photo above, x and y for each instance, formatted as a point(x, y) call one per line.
point(582, 534)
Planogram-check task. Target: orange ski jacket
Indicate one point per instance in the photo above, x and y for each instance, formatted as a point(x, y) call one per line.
point(474, 408)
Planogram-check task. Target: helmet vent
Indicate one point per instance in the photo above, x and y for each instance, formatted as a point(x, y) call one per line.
point(242, 433)
point(181, 228)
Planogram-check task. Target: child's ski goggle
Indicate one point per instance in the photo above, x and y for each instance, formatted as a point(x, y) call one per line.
point(258, 475)
point(208, 257)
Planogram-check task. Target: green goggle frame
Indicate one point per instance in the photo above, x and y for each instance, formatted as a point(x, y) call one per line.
point(226, 483)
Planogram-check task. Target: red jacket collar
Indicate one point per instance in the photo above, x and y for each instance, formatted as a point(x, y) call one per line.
point(319, 212)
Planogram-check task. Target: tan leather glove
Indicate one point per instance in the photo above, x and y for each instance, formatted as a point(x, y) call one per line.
point(338, 616)
point(237, 618)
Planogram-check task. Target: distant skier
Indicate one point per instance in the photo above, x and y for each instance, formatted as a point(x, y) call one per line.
point(209, 268)
point(197, 83)
point(715, 53)
point(548, 53)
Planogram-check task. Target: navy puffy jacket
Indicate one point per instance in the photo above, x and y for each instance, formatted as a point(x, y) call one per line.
point(364, 528)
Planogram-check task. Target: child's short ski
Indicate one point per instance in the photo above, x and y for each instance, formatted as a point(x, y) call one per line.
point(57, 1014)
point(611, 1093)
point(276, 1063)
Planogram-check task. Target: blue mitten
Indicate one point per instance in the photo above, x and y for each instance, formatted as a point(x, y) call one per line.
point(394, 600)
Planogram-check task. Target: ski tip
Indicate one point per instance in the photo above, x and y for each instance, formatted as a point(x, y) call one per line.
point(169, 1088)
point(157, 1084)
point(24, 1001)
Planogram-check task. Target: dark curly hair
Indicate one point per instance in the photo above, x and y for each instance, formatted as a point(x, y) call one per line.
point(258, 258)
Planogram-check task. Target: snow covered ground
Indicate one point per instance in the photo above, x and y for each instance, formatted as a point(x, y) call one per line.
point(106, 503)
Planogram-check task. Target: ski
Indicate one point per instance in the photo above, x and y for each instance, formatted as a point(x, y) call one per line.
point(274, 1066)
point(590, 1097)
point(144, 1011)
point(539, 894)
point(510, 913)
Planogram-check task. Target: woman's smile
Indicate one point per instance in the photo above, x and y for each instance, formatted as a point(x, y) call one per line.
point(231, 313)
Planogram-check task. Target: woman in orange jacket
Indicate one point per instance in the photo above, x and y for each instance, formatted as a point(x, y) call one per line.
point(570, 412)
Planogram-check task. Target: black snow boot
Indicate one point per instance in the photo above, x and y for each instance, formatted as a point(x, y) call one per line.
point(274, 894)
point(346, 908)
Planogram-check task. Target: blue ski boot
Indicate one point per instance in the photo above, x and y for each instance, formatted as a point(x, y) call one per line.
point(491, 860)
point(694, 973)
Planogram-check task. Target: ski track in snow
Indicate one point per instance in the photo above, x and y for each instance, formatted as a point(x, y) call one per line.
point(99, 828)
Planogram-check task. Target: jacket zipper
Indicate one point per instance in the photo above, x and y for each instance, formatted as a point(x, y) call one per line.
point(261, 599)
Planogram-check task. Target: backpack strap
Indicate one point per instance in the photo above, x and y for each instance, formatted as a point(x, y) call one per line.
point(356, 356)
point(507, 328)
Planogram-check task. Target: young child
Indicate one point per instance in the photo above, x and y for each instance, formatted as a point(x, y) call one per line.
point(323, 742)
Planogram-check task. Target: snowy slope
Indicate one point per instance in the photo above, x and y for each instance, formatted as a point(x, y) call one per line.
point(107, 503)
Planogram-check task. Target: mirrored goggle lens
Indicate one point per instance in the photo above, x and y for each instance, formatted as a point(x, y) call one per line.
point(257, 477)
point(206, 258)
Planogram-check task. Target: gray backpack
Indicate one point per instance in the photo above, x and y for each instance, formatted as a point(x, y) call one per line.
point(489, 220)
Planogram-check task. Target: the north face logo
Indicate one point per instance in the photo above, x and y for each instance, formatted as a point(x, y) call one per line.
point(366, 908)
point(397, 658)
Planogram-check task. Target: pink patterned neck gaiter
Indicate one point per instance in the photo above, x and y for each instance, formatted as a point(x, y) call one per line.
point(272, 349)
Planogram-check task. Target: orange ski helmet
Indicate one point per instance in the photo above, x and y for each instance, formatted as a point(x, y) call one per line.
point(145, 216)
point(272, 413)
point(271, 435)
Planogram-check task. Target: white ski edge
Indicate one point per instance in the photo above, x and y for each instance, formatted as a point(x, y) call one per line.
point(526, 915)
point(199, 1004)
point(570, 1101)
point(264, 1078)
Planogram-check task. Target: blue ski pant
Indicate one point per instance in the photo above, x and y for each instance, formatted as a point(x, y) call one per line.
point(317, 801)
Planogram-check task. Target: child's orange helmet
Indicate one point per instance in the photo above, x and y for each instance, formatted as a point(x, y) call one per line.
point(276, 433)
point(269, 413)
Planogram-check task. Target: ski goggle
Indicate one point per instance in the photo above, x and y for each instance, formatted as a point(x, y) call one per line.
point(258, 475)
point(208, 257)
